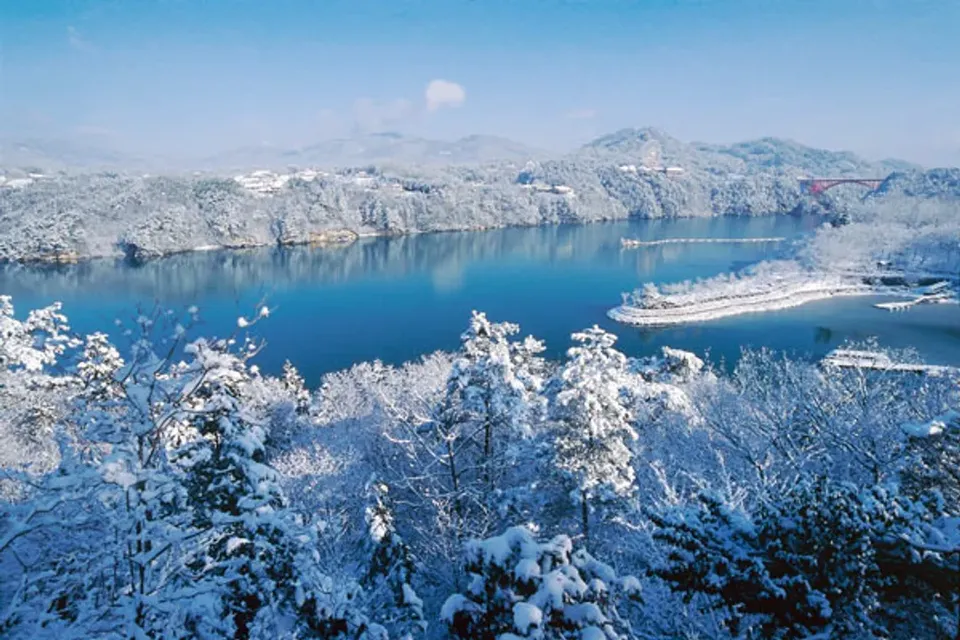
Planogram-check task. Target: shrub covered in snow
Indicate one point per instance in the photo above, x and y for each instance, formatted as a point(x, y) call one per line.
point(522, 588)
point(824, 559)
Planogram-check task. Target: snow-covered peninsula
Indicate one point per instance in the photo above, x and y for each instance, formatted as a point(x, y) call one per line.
point(767, 287)
point(903, 246)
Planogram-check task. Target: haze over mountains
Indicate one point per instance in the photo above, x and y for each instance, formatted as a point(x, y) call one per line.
point(372, 148)
point(397, 148)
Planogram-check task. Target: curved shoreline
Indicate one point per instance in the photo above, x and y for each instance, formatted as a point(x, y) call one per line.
point(773, 295)
point(715, 310)
point(718, 306)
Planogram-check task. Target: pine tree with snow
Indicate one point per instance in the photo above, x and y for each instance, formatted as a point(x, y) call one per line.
point(522, 588)
point(295, 386)
point(99, 367)
point(392, 567)
point(824, 560)
point(462, 445)
point(593, 428)
point(494, 384)
point(236, 498)
point(932, 461)
point(254, 552)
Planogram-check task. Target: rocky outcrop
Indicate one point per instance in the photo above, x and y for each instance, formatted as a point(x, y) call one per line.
point(319, 238)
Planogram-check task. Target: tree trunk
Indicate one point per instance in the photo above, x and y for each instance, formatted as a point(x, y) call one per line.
point(487, 455)
point(455, 485)
point(585, 520)
point(957, 596)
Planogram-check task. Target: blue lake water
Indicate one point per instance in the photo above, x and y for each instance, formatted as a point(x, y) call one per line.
point(397, 298)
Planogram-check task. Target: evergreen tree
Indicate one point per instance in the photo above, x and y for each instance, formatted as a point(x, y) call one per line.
point(294, 384)
point(593, 430)
point(522, 588)
point(933, 459)
point(824, 559)
point(391, 570)
point(494, 384)
point(254, 550)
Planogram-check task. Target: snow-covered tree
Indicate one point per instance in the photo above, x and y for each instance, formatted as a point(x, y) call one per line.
point(777, 419)
point(99, 368)
point(449, 445)
point(390, 575)
point(253, 551)
point(493, 388)
point(932, 462)
point(162, 518)
point(284, 403)
point(824, 559)
point(593, 428)
point(111, 519)
point(522, 588)
point(294, 384)
point(37, 341)
point(32, 397)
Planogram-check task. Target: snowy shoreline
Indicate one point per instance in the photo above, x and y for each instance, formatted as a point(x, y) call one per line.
point(757, 303)
point(770, 287)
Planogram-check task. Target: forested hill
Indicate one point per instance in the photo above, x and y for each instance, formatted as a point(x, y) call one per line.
point(62, 215)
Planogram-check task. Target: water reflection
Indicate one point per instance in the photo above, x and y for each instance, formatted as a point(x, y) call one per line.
point(823, 335)
point(191, 276)
point(397, 298)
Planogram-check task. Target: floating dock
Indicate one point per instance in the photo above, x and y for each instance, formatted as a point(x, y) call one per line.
point(628, 243)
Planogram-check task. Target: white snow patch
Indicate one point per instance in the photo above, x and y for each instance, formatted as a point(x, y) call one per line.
point(933, 427)
point(526, 616)
point(235, 543)
point(454, 605)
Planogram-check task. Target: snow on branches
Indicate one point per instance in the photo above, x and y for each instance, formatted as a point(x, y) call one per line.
point(522, 588)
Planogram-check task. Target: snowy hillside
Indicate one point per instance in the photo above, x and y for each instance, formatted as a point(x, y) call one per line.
point(640, 173)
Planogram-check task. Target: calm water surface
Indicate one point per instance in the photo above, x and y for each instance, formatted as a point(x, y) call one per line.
point(397, 298)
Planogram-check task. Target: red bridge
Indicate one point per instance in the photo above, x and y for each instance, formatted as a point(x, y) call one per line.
point(817, 186)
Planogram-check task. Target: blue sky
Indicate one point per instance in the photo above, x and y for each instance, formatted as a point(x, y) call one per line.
point(201, 76)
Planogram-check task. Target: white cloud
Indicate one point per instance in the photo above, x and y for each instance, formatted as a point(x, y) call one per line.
point(371, 115)
point(374, 115)
point(443, 93)
point(582, 114)
point(77, 41)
